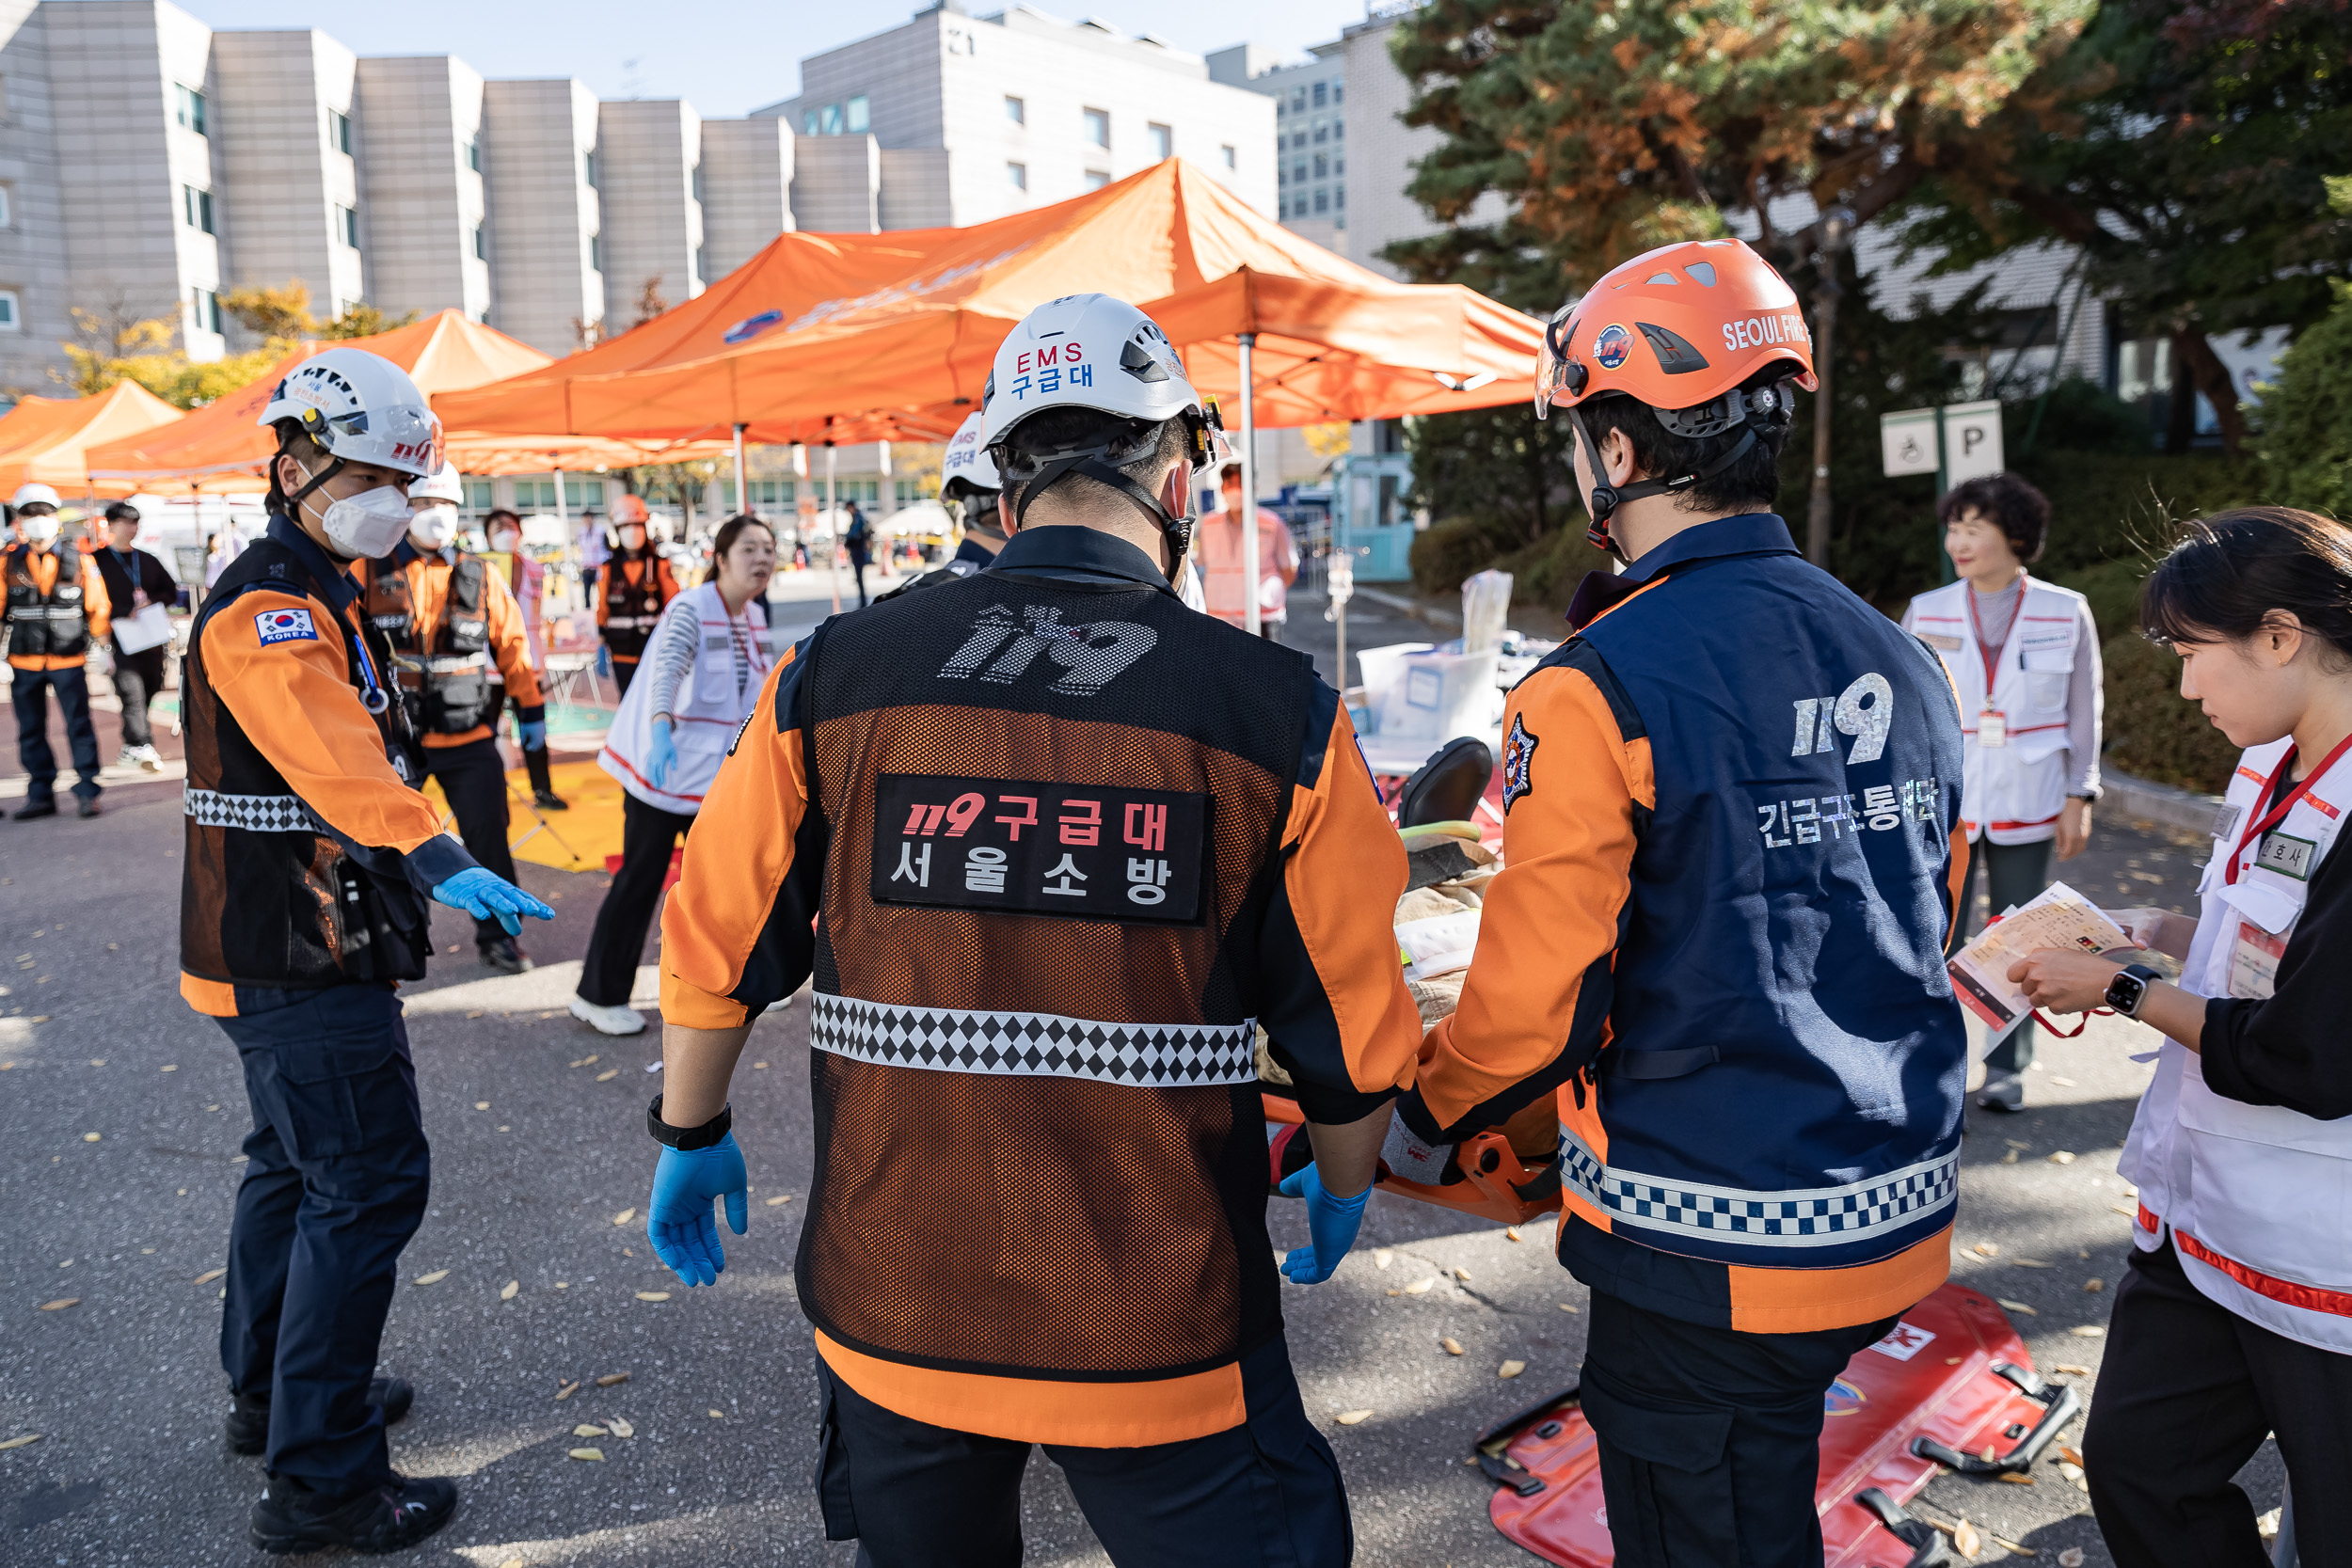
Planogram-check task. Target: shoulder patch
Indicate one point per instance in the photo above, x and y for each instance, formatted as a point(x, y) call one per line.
point(285, 626)
point(1518, 763)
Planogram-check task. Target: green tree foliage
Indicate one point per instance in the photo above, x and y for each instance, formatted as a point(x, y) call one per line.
point(1611, 126)
point(2307, 413)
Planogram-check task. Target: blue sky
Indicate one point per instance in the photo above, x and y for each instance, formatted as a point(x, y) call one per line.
point(725, 58)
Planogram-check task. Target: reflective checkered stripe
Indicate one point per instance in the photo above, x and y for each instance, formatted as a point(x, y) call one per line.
point(1805, 1217)
point(949, 1040)
point(255, 813)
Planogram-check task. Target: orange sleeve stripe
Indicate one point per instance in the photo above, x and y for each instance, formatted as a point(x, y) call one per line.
point(1567, 852)
point(1956, 879)
point(1036, 1410)
point(1799, 1301)
point(737, 858)
point(96, 606)
point(294, 702)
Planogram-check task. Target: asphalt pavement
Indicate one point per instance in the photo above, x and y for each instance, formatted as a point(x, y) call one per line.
point(121, 1112)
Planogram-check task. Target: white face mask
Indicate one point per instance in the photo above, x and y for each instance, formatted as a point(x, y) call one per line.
point(435, 527)
point(632, 537)
point(41, 530)
point(505, 540)
point(366, 525)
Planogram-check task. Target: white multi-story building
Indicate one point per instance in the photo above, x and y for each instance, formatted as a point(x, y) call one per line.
point(953, 119)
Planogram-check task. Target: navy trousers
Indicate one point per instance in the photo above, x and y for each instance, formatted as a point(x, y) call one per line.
point(335, 1186)
point(30, 695)
point(1265, 1494)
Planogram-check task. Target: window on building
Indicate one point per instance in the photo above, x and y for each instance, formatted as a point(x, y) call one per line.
point(479, 496)
point(3, 100)
point(1323, 166)
point(1283, 176)
point(1298, 172)
point(1338, 92)
point(11, 314)
point(1279, 106)
point(1323, 132)
point(347, 226)
point(1339, 197)
point(338, 131)
point(854, 118)
point(197, 208)
point(829, 120)
point(588, 169)
point(188, 108)
point(1339, 166)
point(1226, 153)
point(1016, 110)
point(809, 122)
point(1339, 129)
point(7, 207)
point(1017, 175)
point(474, 153)
point(595, 252)
point(1299, 138)
point(702, 267)
point(1098, 127)
point(1096, 179)
point(695, 183)
point(1298, 101)
point(1161, 139)
point(207, 309)
point(1323, 91)
point(1323, 201)
point(480, 242)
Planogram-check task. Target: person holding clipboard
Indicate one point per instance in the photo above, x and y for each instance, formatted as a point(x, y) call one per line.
point(2236, 1319)
point(142, 590)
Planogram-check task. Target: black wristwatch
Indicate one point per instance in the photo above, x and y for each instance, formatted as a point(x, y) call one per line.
point(688, 1139)
point(2129, 989)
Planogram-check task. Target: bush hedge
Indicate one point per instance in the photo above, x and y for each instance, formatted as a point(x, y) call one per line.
point(2151, 732)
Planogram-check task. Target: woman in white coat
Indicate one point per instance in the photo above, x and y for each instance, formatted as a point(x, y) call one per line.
point(2236, 1318)
point(702, 671)
point(2023, 656)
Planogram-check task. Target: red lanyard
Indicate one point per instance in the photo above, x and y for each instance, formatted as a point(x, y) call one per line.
point(1992, 657)
point(2277, 813)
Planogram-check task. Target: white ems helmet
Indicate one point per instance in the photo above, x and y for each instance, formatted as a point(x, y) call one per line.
point(967, 464)
point(442, 485)
point(29, 495)
point(361, 407)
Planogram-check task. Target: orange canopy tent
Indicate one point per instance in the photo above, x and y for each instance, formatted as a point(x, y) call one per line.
point(805, 343)
point(219, 450)
point(46, 440)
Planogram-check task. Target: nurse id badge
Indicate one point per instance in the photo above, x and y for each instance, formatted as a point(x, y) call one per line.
point(1992, 727)
point(2255, 963)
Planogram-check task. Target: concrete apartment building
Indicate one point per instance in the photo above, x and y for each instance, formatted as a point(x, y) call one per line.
point(422, 196)
point(953, 119)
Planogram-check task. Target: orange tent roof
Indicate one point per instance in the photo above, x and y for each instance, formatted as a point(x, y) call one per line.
point(219, 448)
point(802, 342)
point(44, 440)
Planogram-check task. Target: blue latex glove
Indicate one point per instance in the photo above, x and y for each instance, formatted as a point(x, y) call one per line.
point(1331, 1221)
point(604, 661)
point(535, 734)
point(484, 895)
point(678, 1221)
point(660, 756)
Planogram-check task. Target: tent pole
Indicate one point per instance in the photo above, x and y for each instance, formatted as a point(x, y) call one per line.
point(742, 491)
point(833, 521)
point(1251, 621)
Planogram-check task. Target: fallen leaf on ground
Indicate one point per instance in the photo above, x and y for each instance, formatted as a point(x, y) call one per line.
point(1461, 1274)
point(2012, 1547)
point(2088, 1331)
point(2070, 1366)
point(1421, 1287)
point(1354, 1417)
point(2029, 1263)
point(2070, 1454)
point(2014, 1479)
point(209, 1276)
point(587, 1061)
point(1451, 1347)
point(61, 1304)
point(2062, 1083)
point(476, 1013)
point(622, 1429)
point(625, 1216)
point(718, 1415)
point(576, 1064)
point(1987, 1249)
point(90, 1137)
point(1382, 1258)
point(2070, 1558)
point(508, 1291)
point(757, 1065)
point(608, 1073)
point(2065, 1156)
point(567, 1392)
point(608, 1379)
point(1965, 1536)
point(585, 1430)
point(1511, 1368)
point(2094, 1284)
point(2124, 1210)
point(2019, 1307)
point(168, 1067)
point(653, 1295)
point(785, 1198)
point(588, 1453)
point(433, 1279)
point(2071, 1470)
point(1511, 1233)
point(481, 1104)
point(1569, 1306)
point(2009, 1159)
point(19, 1442)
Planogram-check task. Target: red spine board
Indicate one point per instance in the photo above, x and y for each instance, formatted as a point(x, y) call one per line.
point(1946, 1391)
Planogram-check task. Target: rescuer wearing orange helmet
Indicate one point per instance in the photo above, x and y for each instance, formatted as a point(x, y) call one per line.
point(632, 590)
point(1730, 802)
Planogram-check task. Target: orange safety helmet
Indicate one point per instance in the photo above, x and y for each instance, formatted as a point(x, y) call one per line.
point(1680, 329)
point(629, 508)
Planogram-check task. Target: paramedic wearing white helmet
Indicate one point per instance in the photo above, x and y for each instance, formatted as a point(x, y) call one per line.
point(57, 603)
point(1047, 977)
point(308, 859)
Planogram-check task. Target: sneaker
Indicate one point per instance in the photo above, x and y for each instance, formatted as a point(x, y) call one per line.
point(247, 1426)
point(86, 805)
point(548, 800)
point(504, 956)
point(130, 758)
point(391, 1516)
point(2005, 1093)
point(37, 810)
point(608, 1020)
point(150, 758)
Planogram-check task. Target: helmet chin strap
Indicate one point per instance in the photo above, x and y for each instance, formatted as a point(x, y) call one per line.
point(1176, 530)
point(1603, 502)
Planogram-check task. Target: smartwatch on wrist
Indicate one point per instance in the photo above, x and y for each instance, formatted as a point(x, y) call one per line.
point(2129, 989)
point(685, 1140)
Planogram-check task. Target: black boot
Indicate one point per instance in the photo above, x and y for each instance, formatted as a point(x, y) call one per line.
point(543, 793)
point(391, 1516)
point(38, 809)
point(503, 956)
point(247, 1427)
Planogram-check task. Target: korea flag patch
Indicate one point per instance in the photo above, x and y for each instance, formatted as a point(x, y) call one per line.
point(285, 626)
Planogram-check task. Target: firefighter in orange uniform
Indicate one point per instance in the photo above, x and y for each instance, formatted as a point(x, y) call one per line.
point(632, 590)
point(460, 648)
point(56, 605)
point(1046, 974)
